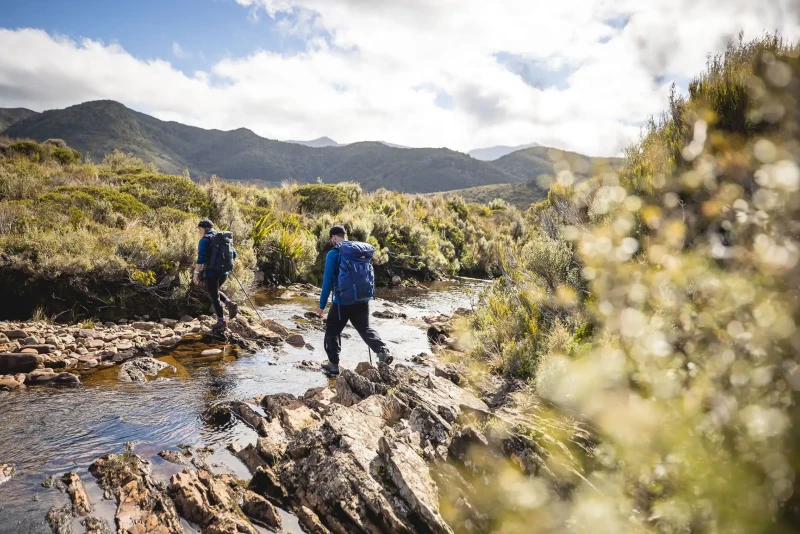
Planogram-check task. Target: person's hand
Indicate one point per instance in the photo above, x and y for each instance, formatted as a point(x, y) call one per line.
point(196, 279)
point(321, 313)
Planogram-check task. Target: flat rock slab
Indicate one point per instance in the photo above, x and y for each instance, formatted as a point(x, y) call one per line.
point(11, 363)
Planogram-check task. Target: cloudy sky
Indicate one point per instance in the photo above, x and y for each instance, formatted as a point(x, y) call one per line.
point(576, 74)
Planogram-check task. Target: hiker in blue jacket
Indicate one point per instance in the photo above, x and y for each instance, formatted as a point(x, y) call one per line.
point(357, 313)
point(212, 278)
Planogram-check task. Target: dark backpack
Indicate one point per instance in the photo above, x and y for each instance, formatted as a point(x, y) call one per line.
point(220, 252)
point(355, 279)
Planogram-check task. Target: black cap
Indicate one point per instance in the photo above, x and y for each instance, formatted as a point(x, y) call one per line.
point(338, 230)
point(205, 223)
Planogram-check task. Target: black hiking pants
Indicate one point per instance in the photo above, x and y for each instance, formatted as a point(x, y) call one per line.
point(213, 283)
point(358, 315)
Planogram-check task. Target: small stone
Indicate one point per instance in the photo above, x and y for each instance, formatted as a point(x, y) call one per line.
point(143, 326)
point(295, 339)
point(396, 280)
point(211, 352)
point(31, 340)
point(187, 319)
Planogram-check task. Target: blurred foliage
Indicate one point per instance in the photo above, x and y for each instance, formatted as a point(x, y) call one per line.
point(659, 306)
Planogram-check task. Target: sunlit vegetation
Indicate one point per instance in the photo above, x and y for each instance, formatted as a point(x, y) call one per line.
point(659, 307)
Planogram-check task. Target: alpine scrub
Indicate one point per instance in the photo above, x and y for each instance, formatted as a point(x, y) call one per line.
point(114, 238)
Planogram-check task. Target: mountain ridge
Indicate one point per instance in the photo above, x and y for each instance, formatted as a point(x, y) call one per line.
point(99, 127)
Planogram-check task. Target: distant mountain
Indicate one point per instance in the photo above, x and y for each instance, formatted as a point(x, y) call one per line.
point(530, 163)
point(9, 116)
point(497, 152)
point(97, 128)
point(317, 143)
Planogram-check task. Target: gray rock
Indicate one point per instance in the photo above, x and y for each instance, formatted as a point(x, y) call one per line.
point(66, 379)
point(249, 416)
point(141, 325)
point(211, 352)
point(138, 369)
point(410, 474)
point(261, 511)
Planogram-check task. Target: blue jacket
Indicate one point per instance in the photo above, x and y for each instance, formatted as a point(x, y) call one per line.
point(202, 253)
point(329, 278)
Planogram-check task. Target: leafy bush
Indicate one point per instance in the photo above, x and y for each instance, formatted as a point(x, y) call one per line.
point(66, 156)
point(321, 198)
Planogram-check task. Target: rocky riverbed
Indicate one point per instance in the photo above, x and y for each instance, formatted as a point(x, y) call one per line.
point(380, 449)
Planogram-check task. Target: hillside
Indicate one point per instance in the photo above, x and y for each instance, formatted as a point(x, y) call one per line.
point(97, 128)
point(532, 162)
point(518, 195)
point(9, 116)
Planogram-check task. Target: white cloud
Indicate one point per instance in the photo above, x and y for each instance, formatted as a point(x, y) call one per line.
point(374, 69)
point(179, 52)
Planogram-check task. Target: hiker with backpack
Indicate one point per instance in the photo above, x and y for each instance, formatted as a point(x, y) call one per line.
point(349, 275)
point(215, 257)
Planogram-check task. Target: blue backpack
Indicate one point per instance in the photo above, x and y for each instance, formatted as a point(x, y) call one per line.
point(355, 279)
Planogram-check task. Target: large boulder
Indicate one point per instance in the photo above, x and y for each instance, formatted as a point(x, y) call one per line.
point(11, 363)
point(138, 369)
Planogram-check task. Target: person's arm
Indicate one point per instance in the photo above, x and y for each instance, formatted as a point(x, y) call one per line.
point(328, 279)
point(200, 264)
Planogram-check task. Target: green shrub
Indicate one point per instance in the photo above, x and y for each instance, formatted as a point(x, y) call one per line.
point(321, 198)
point(66, 156)
point(28, 149)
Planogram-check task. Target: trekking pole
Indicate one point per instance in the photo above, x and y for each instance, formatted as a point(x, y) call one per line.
point(370, 355)
point(248, 297)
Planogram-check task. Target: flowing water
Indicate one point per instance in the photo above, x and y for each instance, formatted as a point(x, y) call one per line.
point(49, 431)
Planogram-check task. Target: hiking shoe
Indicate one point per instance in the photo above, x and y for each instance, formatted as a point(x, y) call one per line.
point(221, 324)
point(331, 368)
point(385, 357)
point(233, 309)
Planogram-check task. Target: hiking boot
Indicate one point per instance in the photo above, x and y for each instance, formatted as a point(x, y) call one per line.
point(331, 368)
point(385, 357)
point(221, 324)
point(233, 309)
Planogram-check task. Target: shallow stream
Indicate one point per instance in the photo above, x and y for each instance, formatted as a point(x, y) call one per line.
point(49, 431)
